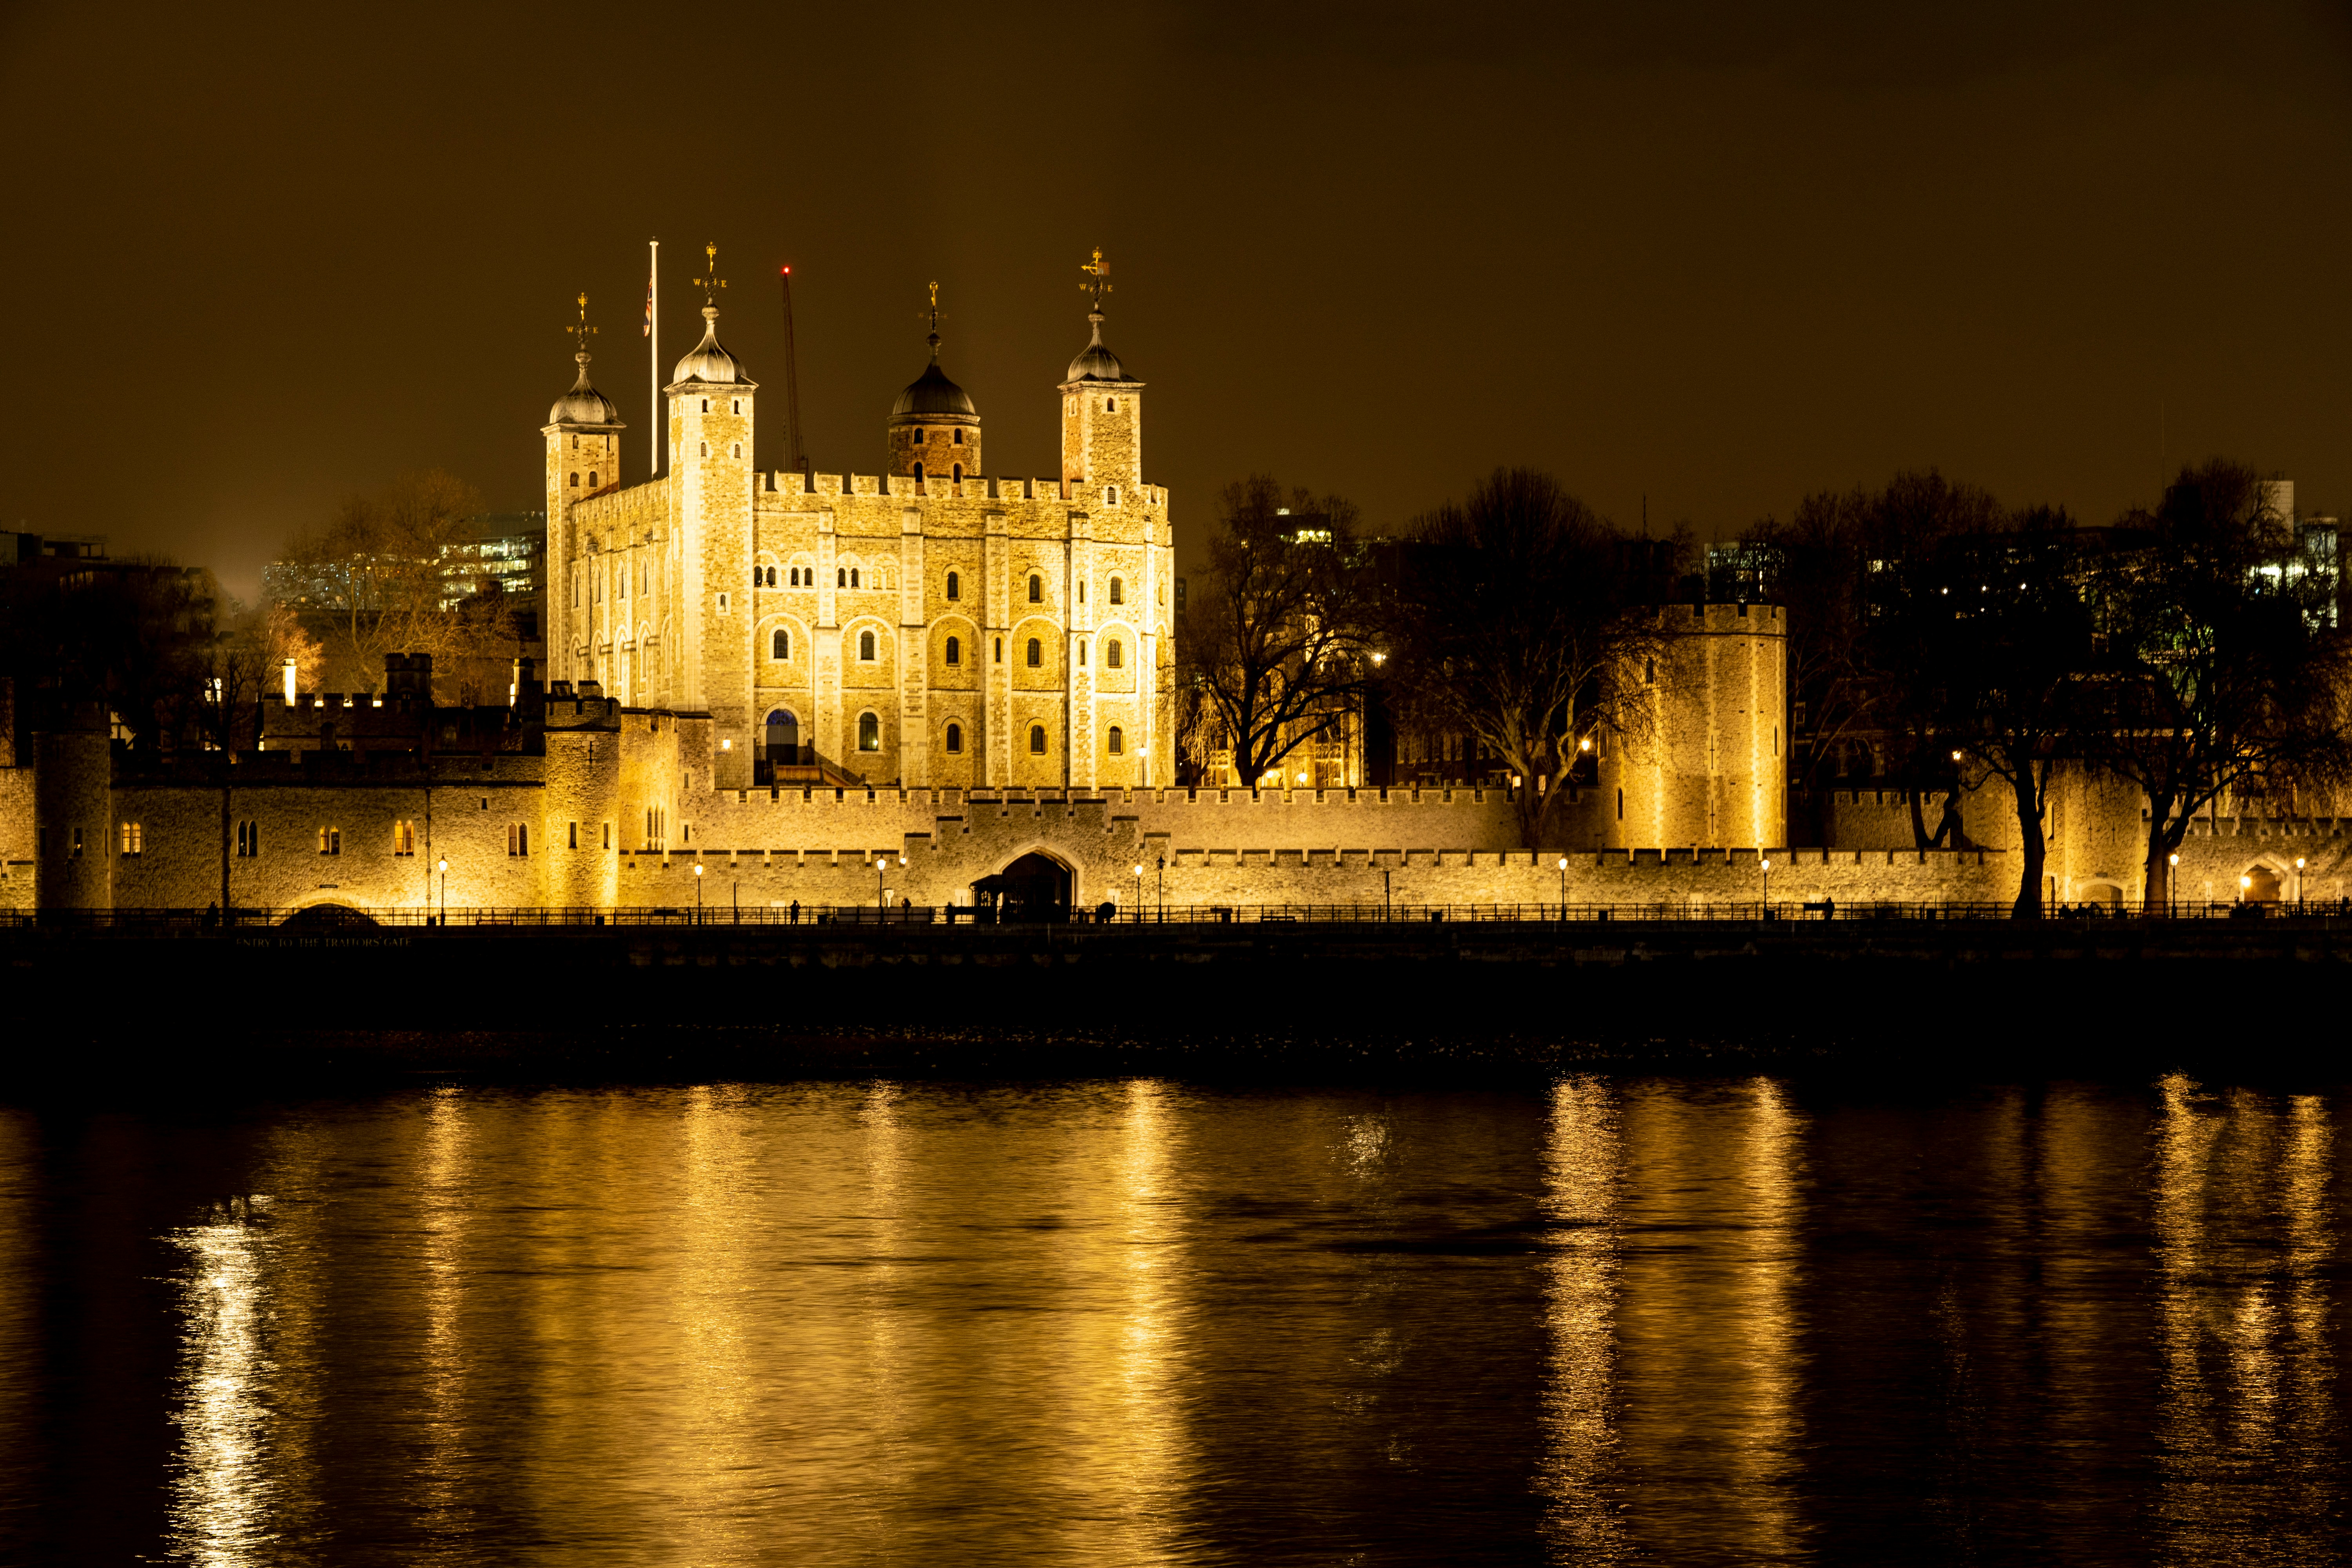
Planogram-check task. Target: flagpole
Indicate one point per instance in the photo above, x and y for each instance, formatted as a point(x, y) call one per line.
point(653, 357)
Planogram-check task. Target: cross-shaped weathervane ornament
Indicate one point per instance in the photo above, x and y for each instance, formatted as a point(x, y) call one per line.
point(1097, 283)
point(583, 332)
point(712, 284)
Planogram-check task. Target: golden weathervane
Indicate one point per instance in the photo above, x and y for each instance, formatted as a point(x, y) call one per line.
point(583, 332)
point(1097, 283)
point(712, 284)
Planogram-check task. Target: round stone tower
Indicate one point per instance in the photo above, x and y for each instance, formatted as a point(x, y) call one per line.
point(934, 430)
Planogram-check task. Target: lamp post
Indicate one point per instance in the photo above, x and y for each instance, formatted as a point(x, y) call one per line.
point(2245, 886)
point(1768, 888)
point(2171, 886)
point(443, 869)
point(2298, 884)
point(1139, 892)
point(1563, 890)
point(697, 892)
point(1164, 889)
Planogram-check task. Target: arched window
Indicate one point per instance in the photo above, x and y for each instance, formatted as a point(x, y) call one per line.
point(869, 732)
point(955, 740)
point(1118, 742)
point(1082, 653)
point(866, 646)
point(706, 406)
point(919, 473)
point(841, 577)
point(955, 586)
point(1111, 654)
point(738, 405)
point(792, 577)
point(738, 452)
point(957, 474)
point(1110, 406)
point(755, 576)
point(959, 438)
point(779, 644)
point(1037, 590)
point(591, 478)
point(919, 436)
point(1000, 650)
point(575, 481)
point(853, 576)
point(705, 447)
point(955, 651)
point(1037, 653)
point(1037, 739)
point(1110, 496)
point(1118, 592)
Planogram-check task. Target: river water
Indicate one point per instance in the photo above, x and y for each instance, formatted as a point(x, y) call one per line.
point(1606, 1320)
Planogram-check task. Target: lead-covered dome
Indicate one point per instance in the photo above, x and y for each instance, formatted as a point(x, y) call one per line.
point(932, 392)
point(1095, 363)
point(707, 360)
point(584, 405)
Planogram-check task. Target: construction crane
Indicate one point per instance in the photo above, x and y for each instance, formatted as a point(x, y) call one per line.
point(792, 441)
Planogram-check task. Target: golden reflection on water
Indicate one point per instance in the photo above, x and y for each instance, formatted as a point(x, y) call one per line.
point(223, 1487)
point(2245, 1412)
point(1584, 1156)
point(1708, 1320)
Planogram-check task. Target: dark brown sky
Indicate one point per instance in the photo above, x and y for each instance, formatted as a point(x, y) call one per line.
point(260, 259)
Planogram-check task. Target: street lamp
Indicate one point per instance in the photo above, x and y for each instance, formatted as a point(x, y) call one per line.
point(1164, 889)
point(1767, 889)
point(2298, 884)
point(2171, 886)
point(2245, 886)
point(1563, 890)
point(445, 890)
point(881, 899)
point(1139, 892)
point(697, 892)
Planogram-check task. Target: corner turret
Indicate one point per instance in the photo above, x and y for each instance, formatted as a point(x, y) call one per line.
point(1102, 411)
point(934, 430)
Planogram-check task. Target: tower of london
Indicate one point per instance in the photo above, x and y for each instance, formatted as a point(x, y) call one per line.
point(932, 625)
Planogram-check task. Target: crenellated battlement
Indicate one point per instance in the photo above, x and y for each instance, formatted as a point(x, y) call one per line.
point(786, 486)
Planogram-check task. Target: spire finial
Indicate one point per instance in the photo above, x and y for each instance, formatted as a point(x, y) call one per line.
point(583, 330)
point(712, 284)
point(934, 338)
point(1097, 285)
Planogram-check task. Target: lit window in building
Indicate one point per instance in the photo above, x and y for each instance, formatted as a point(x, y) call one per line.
point(404, 838)
point(131, 838)
point(869, 732)
point(1037, 739)
point(518, 838)
point(330, 841)
point(248, 839)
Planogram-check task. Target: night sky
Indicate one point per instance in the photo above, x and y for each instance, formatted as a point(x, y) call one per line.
point(1713, 258)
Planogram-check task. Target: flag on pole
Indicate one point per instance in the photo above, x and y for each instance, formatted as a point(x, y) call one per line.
point(649, 305)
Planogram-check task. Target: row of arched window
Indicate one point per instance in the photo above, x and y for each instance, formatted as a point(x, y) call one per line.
point(921, 437)
point(780, 646)
point(869, 734)
point(850, 577)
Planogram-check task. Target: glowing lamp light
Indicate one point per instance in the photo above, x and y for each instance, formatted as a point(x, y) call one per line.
point(444, 867)
point(698, 868)
point(1139, 870)
point(726, 746)
point(1585, 744)
point(1563, 862)
point(1956, 756)
point(2172, 859)
point(1767, 865)
point(2298, 862)
point(2245, 882)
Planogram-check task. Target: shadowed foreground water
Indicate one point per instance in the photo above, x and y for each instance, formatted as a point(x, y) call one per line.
point(1622, 1319)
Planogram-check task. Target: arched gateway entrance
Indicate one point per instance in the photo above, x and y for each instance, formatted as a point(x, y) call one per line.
point(1036, 887)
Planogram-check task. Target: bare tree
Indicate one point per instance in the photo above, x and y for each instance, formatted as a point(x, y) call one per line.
point(2224, 673)
point(1519, 621)
point(1271, 649)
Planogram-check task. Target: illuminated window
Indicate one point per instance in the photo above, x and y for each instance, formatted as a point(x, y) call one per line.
point(1037, 653)
point(1111, 653)
point(1118, 742)
point(1118, 592)
point(955, 651)
point(132, 839)
point(1037, 590)
point(330, 841)
point(404, 838)
point(1037, 739)
point(866, 646)
point(780, 643)
point(955, 740)
point(955, 586)
point(869, 732)
point(248, 839)
point(518, 838)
